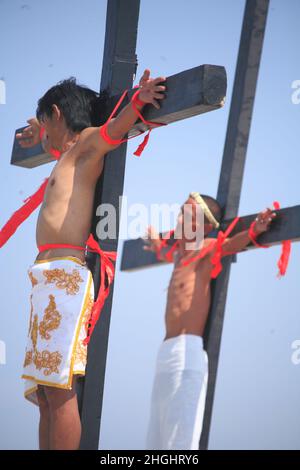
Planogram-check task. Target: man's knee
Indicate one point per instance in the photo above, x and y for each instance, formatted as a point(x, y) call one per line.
point(57, 397)
point(42, 400)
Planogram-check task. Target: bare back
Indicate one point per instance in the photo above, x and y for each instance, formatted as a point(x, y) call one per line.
point(189, 296)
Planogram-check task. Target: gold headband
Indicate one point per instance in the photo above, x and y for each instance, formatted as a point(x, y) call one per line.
point(205, 208)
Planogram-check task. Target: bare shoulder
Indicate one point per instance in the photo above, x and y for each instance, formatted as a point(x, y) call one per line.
point(208, 250)
point(92, 140)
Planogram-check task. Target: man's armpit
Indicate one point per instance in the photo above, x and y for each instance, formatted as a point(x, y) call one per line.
point(92, 142)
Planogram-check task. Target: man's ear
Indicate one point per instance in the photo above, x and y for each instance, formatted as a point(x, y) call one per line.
point(56, 112)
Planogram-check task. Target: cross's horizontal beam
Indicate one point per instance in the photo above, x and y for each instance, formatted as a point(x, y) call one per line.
point(286, 226)
point(189, 93)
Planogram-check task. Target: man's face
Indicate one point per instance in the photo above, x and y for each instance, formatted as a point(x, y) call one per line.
point(191, 219)
point(52, 127)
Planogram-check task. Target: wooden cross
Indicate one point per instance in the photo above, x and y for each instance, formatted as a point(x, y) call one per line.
point(189, 93)
point(286, 225)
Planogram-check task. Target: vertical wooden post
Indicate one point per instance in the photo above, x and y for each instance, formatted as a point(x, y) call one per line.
point(231, 177)
point(118, 69)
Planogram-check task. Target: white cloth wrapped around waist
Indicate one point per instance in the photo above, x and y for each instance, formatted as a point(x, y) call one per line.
point(183, 352)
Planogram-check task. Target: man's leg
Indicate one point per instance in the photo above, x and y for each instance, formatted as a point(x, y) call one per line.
point(181, 383)
point(44, 426)
point(65, 425)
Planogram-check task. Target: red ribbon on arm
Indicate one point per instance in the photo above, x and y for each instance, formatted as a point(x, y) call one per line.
point(103, 129)
point(134, 101)
point(169, 255)
point(253, 236)
point(286, 247)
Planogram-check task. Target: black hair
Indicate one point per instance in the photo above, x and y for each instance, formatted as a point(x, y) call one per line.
point(214, 207)
point(79, 104)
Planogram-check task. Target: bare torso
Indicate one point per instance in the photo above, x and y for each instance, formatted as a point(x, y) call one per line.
point(66, 213)
point(189, 297)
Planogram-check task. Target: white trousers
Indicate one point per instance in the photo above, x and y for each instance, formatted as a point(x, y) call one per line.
point(178, 394)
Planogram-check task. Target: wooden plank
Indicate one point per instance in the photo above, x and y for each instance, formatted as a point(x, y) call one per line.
point(231, 177)
point(189, 93)
point(119, 65)
point(286, 226)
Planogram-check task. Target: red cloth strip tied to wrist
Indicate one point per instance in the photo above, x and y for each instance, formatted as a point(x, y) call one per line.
point(107, 272)
point(168, 256)
point(286, 246)
point(134, 101)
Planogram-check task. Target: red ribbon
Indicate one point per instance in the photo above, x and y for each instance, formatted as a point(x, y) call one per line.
point(134, 101)
point(18, 217)
point(216, 259)
point(107, 273)
point(204, 251)
point(286, 247)
point(253, 235)
point(168, 256)
point(55, 153)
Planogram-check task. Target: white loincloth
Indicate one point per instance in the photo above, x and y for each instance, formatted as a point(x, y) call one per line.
point(178, 394)
point(61, 301)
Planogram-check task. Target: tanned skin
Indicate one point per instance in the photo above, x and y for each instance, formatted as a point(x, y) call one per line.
point(65, 217)
point(189, 292)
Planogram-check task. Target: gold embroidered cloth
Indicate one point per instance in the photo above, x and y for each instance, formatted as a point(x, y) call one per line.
point(60, 304)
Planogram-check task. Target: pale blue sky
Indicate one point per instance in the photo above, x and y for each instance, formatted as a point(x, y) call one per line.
point(257, 396)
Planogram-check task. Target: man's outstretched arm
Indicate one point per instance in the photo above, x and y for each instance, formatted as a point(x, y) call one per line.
point(153, 243)
point(150, 93)
point(239, 241)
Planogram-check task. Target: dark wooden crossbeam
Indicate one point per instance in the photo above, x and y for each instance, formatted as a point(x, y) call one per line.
point(189, 93)
point(285, 227)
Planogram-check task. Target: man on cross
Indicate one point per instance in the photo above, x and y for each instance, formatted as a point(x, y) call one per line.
point(179, 389)
point(62, 298)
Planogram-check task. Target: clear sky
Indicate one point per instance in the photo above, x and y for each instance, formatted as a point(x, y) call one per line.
point(257, 396)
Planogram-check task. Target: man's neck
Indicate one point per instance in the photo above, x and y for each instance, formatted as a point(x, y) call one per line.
point(68, 139)
point(185, 246)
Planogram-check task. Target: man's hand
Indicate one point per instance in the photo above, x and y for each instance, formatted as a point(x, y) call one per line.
point(30, 136)
point(263, 221)
point(239, 241)
point(150, 92)
point(150, 89)
point(151, 239)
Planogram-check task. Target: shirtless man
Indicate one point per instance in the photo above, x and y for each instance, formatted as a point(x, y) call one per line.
point(62, 284)
point(179, 390)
